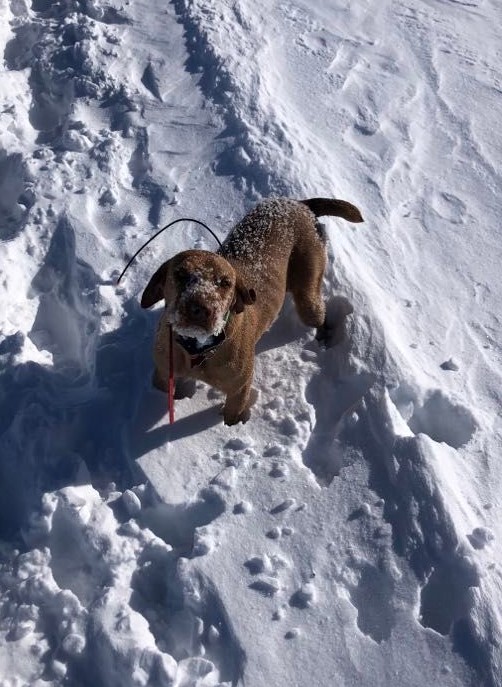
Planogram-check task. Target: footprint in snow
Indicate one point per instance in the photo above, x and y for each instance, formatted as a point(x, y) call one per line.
point(151, 82)
point(304, 597)
point(266, 570)
point(274, 533)
point(480, 537)
point(266, 585)
point(281, 507)
point(274, 450)
point(451, 365)
point(278, 470)
point(243, 508)
point(258, 564)
point(443, 420)
point(292, 634)
point(373, 597)
point(238, 444)
point(289, 426)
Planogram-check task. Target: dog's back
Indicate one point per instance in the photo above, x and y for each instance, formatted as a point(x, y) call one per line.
point(277, 247)
point(260, 246)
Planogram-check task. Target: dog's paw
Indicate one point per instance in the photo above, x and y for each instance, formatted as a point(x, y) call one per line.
point(235, 419)
point(230, 418)
point(323, 335)
point(330, 336)
point(184, 388)
point(332, 331)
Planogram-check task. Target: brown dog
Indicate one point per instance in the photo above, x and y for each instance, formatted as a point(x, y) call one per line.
point(220, 304)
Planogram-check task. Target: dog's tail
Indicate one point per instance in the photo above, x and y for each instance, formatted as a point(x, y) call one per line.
point(335, 208)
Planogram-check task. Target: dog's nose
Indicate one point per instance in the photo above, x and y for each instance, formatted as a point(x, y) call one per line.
point(197, 312)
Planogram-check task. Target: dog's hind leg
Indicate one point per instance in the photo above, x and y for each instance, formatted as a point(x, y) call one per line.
point(311, 309)
point(332, 331)
point(305, 273)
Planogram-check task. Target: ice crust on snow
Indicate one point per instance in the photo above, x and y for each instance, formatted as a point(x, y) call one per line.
point(350, 533)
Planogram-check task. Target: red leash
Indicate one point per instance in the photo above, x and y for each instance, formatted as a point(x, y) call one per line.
point(170, 390)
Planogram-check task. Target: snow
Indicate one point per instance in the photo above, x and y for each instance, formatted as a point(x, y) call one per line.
point(350, 532)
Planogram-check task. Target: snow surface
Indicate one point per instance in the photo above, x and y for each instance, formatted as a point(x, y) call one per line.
point(350, 533)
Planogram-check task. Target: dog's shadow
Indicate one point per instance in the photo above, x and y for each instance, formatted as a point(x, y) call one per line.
point(79, 419)
point(285, 329)
point(152, 408)
point(288, 327)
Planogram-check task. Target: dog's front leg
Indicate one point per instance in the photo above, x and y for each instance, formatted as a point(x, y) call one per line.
point(184, 387)
point(239, 402)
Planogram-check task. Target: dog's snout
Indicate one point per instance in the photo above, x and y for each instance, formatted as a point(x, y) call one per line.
point(197, 311)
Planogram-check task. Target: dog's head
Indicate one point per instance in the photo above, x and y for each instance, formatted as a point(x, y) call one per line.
point(200, 289)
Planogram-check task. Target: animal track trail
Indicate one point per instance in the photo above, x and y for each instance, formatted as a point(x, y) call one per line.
point(188, 617)
point(423, 531)
point(187, 620)
point(215, 631)
point(141, 170)
point(373, 598)
point(63, 67)
point(334, 393)
point(267, 571)
point(66, 52)
point(438, 416)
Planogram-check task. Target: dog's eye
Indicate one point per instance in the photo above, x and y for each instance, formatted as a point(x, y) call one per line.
point(224, 282)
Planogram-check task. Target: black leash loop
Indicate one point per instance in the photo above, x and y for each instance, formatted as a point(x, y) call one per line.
point(175, 221)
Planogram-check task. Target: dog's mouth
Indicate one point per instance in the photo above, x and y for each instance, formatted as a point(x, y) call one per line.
point(194, 346)
point(199, 336)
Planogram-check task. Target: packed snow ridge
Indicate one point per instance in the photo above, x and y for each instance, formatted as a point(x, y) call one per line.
point(349, 533)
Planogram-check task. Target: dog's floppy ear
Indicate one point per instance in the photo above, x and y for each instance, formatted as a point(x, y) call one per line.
point(243, 297)
point(154, 291)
